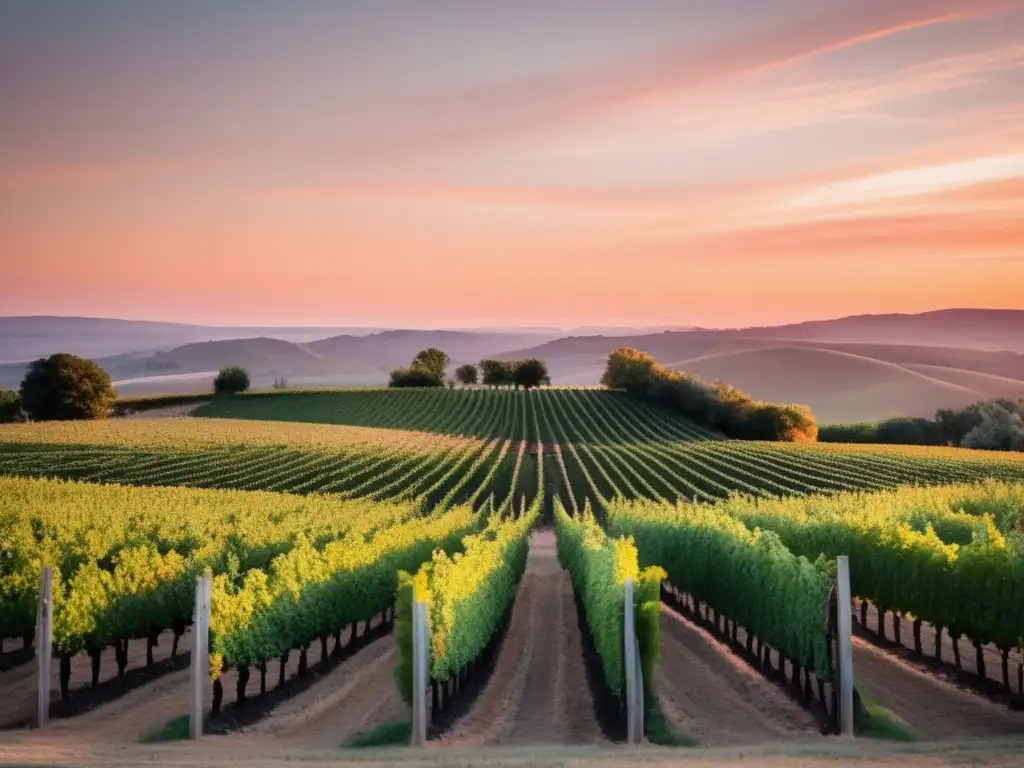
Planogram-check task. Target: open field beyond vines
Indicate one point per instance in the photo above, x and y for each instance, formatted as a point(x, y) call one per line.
point(481, 496)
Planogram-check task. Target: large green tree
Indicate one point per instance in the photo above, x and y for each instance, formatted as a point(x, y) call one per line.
point(495, 373)
point(65, 386)
point(467, 374)
point(434, 360)
point(530, 373)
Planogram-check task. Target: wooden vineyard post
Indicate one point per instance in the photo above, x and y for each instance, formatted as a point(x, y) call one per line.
point(44, 646)
point(844, 644)
point(199, 669)
point(420, 671)
point(634, 681)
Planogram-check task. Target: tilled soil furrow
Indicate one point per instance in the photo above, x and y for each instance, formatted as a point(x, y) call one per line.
point(714, 697)
point(934, 709)
point(538, 692)
point(357, 696)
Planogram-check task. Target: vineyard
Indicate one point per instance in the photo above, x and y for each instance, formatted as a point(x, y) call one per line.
point(321, 516)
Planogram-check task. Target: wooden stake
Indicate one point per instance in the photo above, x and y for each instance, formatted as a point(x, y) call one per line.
point(199, 669)
point(420, 671)
point(845, 646)
point(44, 646)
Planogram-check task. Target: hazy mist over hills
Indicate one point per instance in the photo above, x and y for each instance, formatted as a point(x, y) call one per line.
point(859, 367)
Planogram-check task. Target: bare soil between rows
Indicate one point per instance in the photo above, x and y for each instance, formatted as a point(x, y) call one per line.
point(711, 694)
point(939, 660)
point(538, 691)
point(933, 709)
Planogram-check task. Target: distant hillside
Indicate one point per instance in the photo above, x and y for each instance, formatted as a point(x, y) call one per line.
point(258, 356)
point(390, 349)
point(28, 338)
point(853, 368)
point(838, 386)
point(988, 329)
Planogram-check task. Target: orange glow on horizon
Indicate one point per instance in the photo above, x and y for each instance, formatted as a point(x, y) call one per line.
point(791, 165)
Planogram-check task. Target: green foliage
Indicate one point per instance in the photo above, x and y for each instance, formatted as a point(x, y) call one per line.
point(659, 729)
point(996, 425)
point(880, 723)
point(751, 577)
point(972, 585)
point(125, 559)
point(415, 375)
point(496, 373)
point(434, 360)
point(231, 381)
point(1000, 429)
point(467, 595)
point(721, 407)
point(852, 432)
point(10, 407)
point(308, 593)
point(632, 371)
point(467, 374)
point(65, 386)
point(385, 735)
point(175, 730)
point(530, 373)
point(599, 567)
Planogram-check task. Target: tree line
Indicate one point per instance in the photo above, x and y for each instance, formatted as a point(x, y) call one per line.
point(995, 425)
point(67, 387)
point(428, 369)
point(717, 406)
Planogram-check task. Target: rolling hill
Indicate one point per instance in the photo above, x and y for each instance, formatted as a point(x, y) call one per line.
point(838, 386)
point(859, 368)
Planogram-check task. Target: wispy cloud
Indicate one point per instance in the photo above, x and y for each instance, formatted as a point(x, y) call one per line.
point(908, 182)
point(498, 111)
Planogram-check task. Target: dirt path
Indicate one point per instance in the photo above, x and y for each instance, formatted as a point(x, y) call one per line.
point(231, 753)
point(18, 685)
point(932, 708)
point(129, 718)
point(354, 698)
point(538, 692)
point(715, 697)
point(968, 657)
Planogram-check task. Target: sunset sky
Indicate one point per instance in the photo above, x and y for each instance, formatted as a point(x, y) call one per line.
point(423, 163)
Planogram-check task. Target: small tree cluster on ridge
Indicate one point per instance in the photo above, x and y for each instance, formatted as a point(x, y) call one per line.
point(426, 370)
point(994, 425)
point(718, 406)
point(515, 373)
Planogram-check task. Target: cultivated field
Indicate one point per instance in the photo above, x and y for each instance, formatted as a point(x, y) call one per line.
point(480, 497)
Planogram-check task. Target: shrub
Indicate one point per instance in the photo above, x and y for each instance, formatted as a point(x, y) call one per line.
point(415, 376)
point(1000, 430)
point(906, 430)
point(231, 381)
point(10, 407)
point(467, 374)
point(859, 432)
point(65, 386)
point(719, 406)
point(632, 371)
